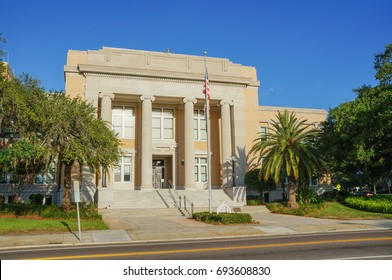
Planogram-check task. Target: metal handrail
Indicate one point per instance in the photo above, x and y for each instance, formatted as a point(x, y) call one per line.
point(188, 202)
point(182, 203)
point(175, 196)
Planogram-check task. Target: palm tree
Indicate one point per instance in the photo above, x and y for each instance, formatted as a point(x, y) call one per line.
point(289, 151)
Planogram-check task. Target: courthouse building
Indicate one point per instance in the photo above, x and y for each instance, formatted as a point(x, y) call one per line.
point(154, 101)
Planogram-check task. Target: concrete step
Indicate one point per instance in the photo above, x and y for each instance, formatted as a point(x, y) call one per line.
point(200, 198)
point(161, 198)
point(138, 212)
point(138, 199)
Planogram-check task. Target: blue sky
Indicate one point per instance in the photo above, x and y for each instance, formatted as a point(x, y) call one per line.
point(308, 54)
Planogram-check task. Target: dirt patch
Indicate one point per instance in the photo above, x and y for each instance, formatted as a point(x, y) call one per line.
point(30, 217)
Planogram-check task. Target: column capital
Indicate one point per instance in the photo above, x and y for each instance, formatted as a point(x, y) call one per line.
point(147, 97)
point(106, 94)
point(187, 99)
point(228, 102)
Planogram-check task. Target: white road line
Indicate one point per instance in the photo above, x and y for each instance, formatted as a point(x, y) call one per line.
point(366, 257)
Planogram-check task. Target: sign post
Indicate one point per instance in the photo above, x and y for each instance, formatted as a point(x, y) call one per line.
point(76, 197)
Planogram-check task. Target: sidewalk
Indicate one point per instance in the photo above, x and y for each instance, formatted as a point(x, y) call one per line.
point(147, 225)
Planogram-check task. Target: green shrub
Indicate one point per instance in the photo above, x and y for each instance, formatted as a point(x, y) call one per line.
point(335, 195)
point(36, 199)
point(49, 211)
point(302, 210)
point(306, 196)
point(377, 203)
point(252, 202)
point(223, 218)
point(86, 212)
point(21, 209)
point(253, 181)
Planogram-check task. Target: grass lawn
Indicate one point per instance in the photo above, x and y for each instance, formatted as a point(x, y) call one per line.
point(335, 210)
point(24, 225)
point(24, 218)
point(331, 210)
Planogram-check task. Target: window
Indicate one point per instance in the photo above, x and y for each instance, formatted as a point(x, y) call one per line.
point(200, 169)
point(39, 179)
point(263, 133)
point(123, 121)
point(48, 178)
point(314, 181)
point(123, 172)
point(45, 179)
point(162, 123)
point(200, 125)
point(3, 178)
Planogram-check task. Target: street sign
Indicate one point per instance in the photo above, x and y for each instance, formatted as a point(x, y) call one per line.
point(76, 197)
point(76, 191)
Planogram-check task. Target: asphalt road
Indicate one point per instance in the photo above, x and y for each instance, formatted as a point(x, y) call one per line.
point(374, 245)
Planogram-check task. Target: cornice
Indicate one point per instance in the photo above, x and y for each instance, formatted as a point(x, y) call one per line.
point(157, 75)
point(297, 110)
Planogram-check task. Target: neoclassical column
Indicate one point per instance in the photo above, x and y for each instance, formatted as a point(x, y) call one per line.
point(106, 106)
point(226, 142)
point(106, 115)
point(146, 141)
point(189, 157)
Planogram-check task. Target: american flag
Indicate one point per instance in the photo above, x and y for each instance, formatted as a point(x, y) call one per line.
point(206, 90)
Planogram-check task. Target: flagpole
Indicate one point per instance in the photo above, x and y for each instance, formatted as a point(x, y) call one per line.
point(207, 116)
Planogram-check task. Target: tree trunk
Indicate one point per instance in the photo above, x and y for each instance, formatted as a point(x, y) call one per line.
point(59, 169)
point(292, 202)
point(284, 194)
point(67, 188)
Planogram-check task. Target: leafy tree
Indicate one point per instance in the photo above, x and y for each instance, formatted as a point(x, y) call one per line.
point(357, 135)
point(288, 150)
point(253, 181)
point(77, 136)
point(38, 128)
point(2, 40)
point(23, 160)
point(21, 153)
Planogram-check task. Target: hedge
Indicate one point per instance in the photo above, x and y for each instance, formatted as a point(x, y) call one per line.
point(48, 211)
point(223, 218)
point(302, 210)
point(377, 203)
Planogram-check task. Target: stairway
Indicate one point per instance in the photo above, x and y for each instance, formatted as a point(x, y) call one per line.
point(161, 198)
point(200, 198)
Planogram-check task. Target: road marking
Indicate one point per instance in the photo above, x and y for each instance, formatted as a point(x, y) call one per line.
point(367, 257)
point(128, 254)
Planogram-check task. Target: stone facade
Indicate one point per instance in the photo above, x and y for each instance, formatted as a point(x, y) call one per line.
point(146, 80)
point(162, 95)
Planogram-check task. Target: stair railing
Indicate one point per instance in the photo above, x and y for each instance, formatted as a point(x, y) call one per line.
point(182, 203)
point(175, 196)
point(188, 204)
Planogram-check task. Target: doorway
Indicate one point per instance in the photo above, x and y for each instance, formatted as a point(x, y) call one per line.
point(158, 174)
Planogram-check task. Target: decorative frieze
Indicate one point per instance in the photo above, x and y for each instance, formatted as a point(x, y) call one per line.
point(162, 79)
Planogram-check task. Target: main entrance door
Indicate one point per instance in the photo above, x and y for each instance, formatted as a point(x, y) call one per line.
point(158, 173)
